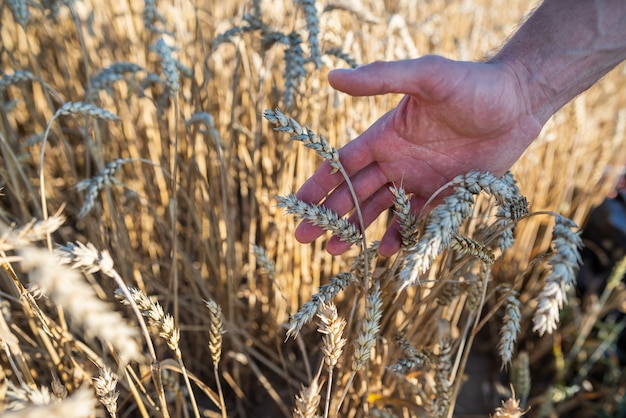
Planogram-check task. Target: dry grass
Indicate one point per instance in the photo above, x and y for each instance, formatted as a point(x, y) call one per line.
point(142, 123)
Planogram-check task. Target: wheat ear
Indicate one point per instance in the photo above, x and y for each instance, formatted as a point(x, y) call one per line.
point(15, 237)
point(170, 69)
point(331, 325)
point(17, 77)
point(80, 404)
point(307, 401)
point(510, 327)
point(443, 365)
point(520, 376)
point(367, 336)
point(509, 409)
point(58, 389)
point(114, 72)
point(407, 219)
point(150, 15)
point(564, 264)
point(216, 330)
point(294, 68)
point(88, 258)
point(324, 295)
point(68, 290)
point(164, 322)
point(106, 390)
point(20, 11)
point(337, 52)
point(103, 178)
point(321, 217)
point(313, 26)
point(441, 226)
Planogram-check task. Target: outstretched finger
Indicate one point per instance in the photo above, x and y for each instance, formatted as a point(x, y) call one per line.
point(416, 76)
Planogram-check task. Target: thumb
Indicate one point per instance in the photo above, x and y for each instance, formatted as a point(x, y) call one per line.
point(416, 76)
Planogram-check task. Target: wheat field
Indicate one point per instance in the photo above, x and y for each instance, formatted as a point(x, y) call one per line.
point(147, 229)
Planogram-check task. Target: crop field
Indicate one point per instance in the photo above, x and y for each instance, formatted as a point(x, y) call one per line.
point(149, 152)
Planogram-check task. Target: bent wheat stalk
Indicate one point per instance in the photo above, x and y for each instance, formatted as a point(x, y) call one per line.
point(69, 108)
point(326, 151)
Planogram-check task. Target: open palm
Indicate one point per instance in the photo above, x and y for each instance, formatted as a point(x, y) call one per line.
point(454, 117)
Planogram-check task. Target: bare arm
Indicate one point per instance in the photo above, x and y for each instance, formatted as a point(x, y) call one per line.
point(564, 48)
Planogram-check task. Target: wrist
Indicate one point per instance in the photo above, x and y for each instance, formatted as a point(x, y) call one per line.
point(563, 48)
point(535, 94)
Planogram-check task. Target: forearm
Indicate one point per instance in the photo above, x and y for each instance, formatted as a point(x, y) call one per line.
point(563, 48)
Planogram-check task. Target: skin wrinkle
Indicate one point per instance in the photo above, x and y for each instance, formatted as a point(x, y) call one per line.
point(451, 160)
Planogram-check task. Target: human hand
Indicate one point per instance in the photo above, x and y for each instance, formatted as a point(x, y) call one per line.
point(455, 116)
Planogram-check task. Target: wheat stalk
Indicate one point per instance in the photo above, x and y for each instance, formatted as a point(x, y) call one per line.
point(69, 108)
point(331, 325)
point(164, 322)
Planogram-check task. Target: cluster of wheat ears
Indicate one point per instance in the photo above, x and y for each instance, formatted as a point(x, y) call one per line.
point(148, 152)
